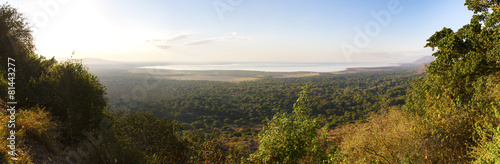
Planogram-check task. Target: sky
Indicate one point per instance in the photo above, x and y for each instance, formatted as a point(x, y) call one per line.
point(391, 31)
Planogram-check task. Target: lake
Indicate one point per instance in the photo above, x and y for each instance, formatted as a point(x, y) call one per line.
point(272, 67)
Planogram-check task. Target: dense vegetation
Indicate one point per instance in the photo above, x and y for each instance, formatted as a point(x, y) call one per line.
point(449, 114)
point(210, 104)
point(457, 100)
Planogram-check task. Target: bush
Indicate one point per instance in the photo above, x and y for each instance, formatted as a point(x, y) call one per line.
point(488, 149)
point(488, 130)
point(292, 138)
point(387, 138)
point(77, 99)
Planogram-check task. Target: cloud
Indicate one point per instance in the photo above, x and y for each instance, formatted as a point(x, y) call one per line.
point(164, 46)
point(201, 42)
point(169, 42)
point(179, 37)
point(176, 41)
point(171, 39)
point(216, 39)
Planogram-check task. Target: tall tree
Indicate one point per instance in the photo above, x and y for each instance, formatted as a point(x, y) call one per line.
point(451, 98)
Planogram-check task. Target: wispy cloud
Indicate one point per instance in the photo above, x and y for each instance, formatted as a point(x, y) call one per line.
point(183, 40)
point(200, 42)
point(169, 42)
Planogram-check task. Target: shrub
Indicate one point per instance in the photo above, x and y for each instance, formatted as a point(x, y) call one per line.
point(292, 138)
point(387, 138)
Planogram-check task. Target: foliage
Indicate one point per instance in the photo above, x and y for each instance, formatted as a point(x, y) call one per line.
point(50, 93)
point(16, 42)
point(488, 131)
point(207, 153)
point(446, 126)
point(389, 137)
point(488, 150)
point(15, 34)
point(453, 99)
point(291, 138)
point(340, 98)
point(236, 109)
point(157, 138)
point(32, 126)
point(67, 90)
point(78, 100)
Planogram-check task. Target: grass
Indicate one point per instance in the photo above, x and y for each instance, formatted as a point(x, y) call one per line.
point(35, 135)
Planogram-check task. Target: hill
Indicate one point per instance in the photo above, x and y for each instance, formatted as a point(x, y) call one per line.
point(424, 60)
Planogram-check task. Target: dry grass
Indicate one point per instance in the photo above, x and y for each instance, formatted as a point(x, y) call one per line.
point(212, 78)
point(385, 138)
point(35, 137)
point(219, 75)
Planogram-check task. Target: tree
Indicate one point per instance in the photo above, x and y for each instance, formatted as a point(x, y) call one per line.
point(451, 99)
point(72, 95)
point(15, 35)
point(292, 138)
point(76, 98)
point(158, 139)
point(16, 42)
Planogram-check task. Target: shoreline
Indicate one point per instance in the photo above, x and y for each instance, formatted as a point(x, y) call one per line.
point(245, 75)
point(226, 75)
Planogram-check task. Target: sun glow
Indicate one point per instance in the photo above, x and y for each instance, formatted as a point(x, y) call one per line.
point(81, 26)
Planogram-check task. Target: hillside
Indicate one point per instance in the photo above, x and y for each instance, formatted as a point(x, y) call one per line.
point(424, 60)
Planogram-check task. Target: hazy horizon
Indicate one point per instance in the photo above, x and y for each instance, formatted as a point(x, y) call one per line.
point(389, 31)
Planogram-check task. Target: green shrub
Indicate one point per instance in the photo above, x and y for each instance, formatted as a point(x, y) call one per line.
point(292, 138)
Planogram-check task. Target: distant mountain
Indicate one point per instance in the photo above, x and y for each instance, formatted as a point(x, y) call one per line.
point(424, 60)
point(90, 61)
point(95, 64)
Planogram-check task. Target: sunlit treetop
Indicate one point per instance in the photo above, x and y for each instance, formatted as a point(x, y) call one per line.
point(480, 6)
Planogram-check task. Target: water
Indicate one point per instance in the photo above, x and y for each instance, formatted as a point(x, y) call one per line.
point(272, 67)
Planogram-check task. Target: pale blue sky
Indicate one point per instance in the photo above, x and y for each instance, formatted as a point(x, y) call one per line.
point(245, 30)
